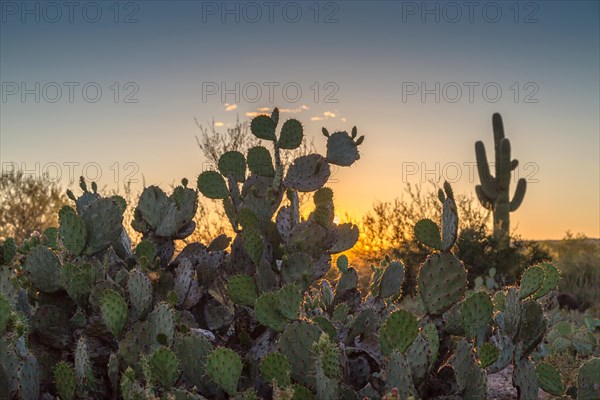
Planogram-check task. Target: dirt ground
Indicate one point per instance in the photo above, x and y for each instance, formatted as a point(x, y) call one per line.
point(499, 387)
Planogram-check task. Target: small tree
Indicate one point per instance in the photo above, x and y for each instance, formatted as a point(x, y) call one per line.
point(27, 204)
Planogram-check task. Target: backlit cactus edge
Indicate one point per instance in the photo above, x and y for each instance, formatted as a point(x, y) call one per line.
point(87, 316)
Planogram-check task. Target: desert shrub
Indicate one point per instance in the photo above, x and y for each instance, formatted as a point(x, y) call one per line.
point(578, 259)
point(28, 204)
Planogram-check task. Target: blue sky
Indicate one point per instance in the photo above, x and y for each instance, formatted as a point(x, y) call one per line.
point(355, 63)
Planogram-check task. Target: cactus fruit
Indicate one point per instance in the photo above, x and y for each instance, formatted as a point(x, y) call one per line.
point(164, 366)
point(398, 332)
point(114, 311)
point(276, 367)
point(442, 282)
point(224, 367)
point(493, 192)
point(549, 379)
point(241, 289)
point(64, 379)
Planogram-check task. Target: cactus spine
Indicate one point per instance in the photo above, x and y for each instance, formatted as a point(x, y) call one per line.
point(493, 192)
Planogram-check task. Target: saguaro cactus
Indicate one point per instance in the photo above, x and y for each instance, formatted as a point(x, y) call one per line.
point(493, 190)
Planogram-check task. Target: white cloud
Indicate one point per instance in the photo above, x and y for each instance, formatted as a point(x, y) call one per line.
point(329, 114)
point(343, 119)
point(230, 107)
point(317, 119)
point(219, 124)
point(252, 114)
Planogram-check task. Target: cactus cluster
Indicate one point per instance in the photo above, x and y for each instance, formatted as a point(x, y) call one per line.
point(85, 315)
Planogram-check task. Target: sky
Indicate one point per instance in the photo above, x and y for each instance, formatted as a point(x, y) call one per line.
point(111, 90)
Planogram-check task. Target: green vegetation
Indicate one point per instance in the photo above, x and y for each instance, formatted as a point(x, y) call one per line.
point(85, 313)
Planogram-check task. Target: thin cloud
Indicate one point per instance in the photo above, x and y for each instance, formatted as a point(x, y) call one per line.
point(230, 107)
point(217, 124)
point(329, 114)
point(317, 118)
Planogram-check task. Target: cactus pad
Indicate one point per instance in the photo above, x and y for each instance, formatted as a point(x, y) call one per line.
point(289, 299)
point(442, 282)
point(140, 293)
point(488, 354)
point(308, 173)
point(263, 127)
point(391, 280)
point(233, 163)
point(64, 380)
point(275, 367)
point(291, 134)
point(427, 232)
point(549, 379)
point(588, 380)
point(476, 311)
point(224, 367)
point(342, 150)
point(212, 185)
point(260, 162)
point(72, 231)
point(398, 332)
point(525, 380)
point(267, 312)
point(114, 311)
point(293, 344)
point(241, 289)
point(531, 281)
point(103, 222)
point(164, 366)
point(44, 267)
point(551, 279)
